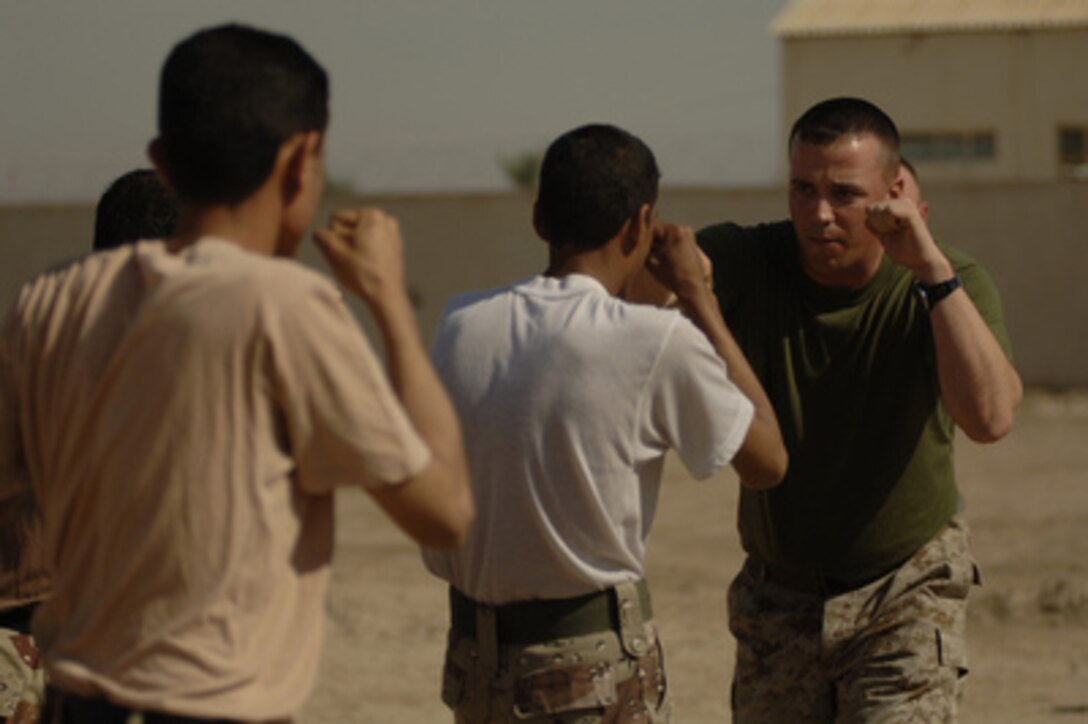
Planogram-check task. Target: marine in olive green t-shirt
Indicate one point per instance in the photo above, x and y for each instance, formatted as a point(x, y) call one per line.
point(852, 375)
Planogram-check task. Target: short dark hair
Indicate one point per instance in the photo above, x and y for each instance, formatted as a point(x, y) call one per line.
point(835, 118)
point(135, 206)
point(592, 180)
point(229, 97)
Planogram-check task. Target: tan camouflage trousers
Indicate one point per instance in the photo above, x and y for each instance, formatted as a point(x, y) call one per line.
point(602, 678)
point(891, 651)
point(22, 679)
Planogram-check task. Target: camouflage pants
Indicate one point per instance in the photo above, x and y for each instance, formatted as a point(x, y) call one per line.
point(603, 678)
point(890, 651)
point(22, 679)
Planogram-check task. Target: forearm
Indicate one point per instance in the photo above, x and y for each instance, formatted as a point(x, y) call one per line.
point(412, 375)
point(364, 250)
point(762, 460)
point(979, 385)
point(436, 506)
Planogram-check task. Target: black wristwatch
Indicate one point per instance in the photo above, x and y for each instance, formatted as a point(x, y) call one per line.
point(930, 294)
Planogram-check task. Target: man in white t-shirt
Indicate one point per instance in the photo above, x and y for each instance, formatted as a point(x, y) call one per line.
point(569, 398)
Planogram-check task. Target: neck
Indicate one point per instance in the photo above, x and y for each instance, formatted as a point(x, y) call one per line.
point(600, 263)
point(251, 224)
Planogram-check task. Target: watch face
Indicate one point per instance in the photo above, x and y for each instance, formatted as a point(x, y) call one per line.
point(920, 292)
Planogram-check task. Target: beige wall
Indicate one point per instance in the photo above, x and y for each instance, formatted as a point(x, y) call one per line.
point(1021, 85)
point(1030, 236)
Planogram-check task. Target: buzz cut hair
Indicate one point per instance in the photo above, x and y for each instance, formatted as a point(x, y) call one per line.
point(842, 117)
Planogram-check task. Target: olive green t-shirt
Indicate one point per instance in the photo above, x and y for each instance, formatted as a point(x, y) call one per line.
point(852, 377)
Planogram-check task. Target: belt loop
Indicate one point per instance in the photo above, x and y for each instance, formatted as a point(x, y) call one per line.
point(487, 637)
point(631, 619)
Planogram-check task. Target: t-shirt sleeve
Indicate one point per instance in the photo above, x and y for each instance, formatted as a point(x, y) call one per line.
point(695, 407)
point(344, 423)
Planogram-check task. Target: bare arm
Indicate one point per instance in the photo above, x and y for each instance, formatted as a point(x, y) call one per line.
point(677, 263)
point(363, 249)
point(979, 385)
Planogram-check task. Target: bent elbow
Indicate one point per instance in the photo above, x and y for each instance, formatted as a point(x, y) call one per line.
point(990, 430)
point(450, 531)
point(991, 417)
point(990, 425)
point(768, 475)
point(461, 521)
point(454, 526)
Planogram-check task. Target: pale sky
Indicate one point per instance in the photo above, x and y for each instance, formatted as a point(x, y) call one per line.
point(427, 95)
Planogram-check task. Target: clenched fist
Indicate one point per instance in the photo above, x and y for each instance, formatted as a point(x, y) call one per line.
point(364, 249)
point(906, 238)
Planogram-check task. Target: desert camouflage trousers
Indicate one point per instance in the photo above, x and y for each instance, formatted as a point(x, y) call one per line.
point(890, 651)
point(610, 677)
point(22, 678)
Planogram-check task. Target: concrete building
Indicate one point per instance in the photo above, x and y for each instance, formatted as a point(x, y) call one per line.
point(982, 90)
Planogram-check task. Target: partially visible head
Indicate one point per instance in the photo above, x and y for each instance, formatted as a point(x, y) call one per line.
point(135, 206)
point(911, 189)
point(844, 157)
point(837, 118)
point(229, 98)
point(593, 180)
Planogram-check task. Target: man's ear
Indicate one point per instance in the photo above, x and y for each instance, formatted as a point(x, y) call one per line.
point(896, 188)
point(646, 214)
point(155, 154)
point(294, 159)
point(637, 227)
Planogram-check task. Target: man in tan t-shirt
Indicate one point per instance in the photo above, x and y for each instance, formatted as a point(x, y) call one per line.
point(135, 206)
point(184, 409)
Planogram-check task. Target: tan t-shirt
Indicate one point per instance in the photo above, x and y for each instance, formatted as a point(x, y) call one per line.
point(184, 419)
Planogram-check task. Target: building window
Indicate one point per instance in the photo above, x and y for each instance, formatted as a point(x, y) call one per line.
point(1073, 151)
point(949, 146)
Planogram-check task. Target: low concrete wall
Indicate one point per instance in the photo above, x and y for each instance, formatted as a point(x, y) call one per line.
point(1030, 237)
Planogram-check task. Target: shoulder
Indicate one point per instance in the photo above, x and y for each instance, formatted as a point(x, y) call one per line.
point(749, 259)
point(726, 233)
point(67, 282)
point(474, 310)
point(468, 302)
point(742, 248)
point(281, 277)
point(975, 278)
point(961, 260)
point(233, 275)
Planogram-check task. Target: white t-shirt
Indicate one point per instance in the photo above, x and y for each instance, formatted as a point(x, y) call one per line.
point(569, 399)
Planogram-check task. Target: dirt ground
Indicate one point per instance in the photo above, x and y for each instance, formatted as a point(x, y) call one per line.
point(1027, 499)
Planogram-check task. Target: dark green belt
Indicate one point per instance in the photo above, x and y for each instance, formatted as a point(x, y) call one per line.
point(545, 619)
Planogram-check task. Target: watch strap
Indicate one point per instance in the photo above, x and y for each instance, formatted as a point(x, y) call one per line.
point(933, 293)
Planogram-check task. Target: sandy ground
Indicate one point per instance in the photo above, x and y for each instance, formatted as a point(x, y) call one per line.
point(1028, 626)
